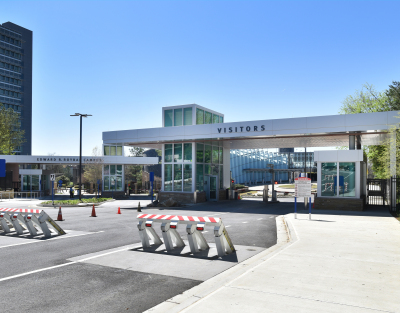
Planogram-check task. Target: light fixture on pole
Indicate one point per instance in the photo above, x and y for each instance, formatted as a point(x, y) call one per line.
point(80, 153)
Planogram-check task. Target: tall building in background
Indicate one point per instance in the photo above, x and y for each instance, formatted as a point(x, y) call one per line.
point(16, 76)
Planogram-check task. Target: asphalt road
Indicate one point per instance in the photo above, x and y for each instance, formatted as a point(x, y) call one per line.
point(53, 275)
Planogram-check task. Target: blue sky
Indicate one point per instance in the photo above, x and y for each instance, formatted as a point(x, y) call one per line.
point(121, 61)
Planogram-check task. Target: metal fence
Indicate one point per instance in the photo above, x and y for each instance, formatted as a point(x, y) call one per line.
point(7, 195)
point(394, 194)
point(376, 191)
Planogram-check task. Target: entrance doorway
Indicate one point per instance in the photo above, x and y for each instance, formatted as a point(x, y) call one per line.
point(211, 190)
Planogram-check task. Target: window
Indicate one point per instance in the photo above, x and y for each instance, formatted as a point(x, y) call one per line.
point(207, 154)
point(113, 177)
point(178, 117)
point(199, 153)
point(221, 177)
point(187, 115)
point(221, 119)
point(167, 118)
point(178, 152)
point(207, 169)
point(113, 150)
point(215, 119)
point(168, 153)
point(187, 152)
point(119, 150)
point(347, 179)
point(177, 177)
point(199, 117)
point(106, 169)
point(187, 177)
point(208, 118)
point(199, 177)
point(221, 154)
point(119, 170)
point(112, 169)
point(215, 155)
point(328, 175)
point(168, 177)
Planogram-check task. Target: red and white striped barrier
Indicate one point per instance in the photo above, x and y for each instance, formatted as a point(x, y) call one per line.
point(194, 226)
point(31, 219)
point(182, 219)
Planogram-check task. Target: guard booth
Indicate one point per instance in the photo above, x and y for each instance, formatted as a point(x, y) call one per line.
point(341, 176)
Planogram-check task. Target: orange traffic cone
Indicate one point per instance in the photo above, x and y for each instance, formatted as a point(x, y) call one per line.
point(313, 204)
point(93, 212)
point(59, 216)
point(238, 196)
point(119, 210)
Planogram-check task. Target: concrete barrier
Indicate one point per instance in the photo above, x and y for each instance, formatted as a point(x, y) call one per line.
point(36, 222)
point(195, 225)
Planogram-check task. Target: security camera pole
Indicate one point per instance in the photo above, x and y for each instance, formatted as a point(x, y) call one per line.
point(80, 153)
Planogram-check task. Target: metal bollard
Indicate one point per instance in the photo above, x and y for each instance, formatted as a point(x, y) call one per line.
point(146, 229)
point(171, 236)
point(16, 223)
point(223, 241)
point(196, 240)
point(29, 224)
point(4, 217)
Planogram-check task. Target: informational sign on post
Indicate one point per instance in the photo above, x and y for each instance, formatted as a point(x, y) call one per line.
point(302, 187)
point(2, 168)
point(52, 177)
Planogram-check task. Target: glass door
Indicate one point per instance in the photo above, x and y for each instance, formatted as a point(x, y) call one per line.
point(213, 188)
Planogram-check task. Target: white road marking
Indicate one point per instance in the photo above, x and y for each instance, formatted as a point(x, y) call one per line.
point(206, 231)
point(271, 217)
point(227, 226)
point(259, 219)
point(61, 265)
point(244, 222)
point(54, 238)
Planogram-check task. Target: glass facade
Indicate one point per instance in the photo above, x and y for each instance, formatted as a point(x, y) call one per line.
point(208, 162)
point(178, 152)
point(215, 119)
point(347, 179)
point(207, 118)
point(177, 174)
point(187, 116)
point(113, 150)
point(167, 118)
point(187, 152)
point(168, 177)
point(328, 175)
point(187, 177)
point(178, 117)
point(177, 177)
point(199, 116)
point(168, 153)
point(31, 182)
point(112, 176)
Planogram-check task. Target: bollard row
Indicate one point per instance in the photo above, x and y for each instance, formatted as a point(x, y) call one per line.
point(37, 222)
point(195, 225)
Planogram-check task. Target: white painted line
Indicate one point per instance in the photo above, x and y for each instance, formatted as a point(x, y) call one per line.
point(259, 219)
point(271, 217)
point(244, 222)
point(61, 265)
point(206, 231)
point(55, 238)
point(227, 226)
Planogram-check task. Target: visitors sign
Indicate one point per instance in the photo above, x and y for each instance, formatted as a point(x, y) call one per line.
point(302, 187)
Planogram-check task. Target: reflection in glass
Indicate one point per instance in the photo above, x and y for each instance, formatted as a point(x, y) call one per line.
point(215, 155)
point(168, 177)
point(221, 177)
point(113, 150)
point(328, 176)
point(199, 116)
point(213, 187)
point(119, 150)
point(178, 117)
point(187, 116)
point(112, 169)
point(187, 152)
point(119, 183)
point(187, 174)
point(215, 119)
point(168, 153)
point(199, 177)
point(207, 154)
point(106, 169)
point(106, 150)
point(167, 118)
point(119, 170)
point(107, 183)
point(221, 119)
point(207, 118)
point(207, 169)
point(199, 153)
point(178, 152)
point(221, 154)
point(178, 177)
point(347, 179)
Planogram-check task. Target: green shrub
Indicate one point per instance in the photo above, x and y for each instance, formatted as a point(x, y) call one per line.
point(77, 201)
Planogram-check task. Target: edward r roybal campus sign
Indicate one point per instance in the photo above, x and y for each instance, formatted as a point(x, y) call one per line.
point(240, 129)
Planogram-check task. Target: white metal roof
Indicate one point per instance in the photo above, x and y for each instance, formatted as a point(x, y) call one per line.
point(316, 131)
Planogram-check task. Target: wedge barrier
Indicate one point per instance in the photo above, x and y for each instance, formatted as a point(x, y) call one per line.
point(35, 221)
point(194, 227)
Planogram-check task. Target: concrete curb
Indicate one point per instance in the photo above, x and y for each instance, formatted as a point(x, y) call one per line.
point(182, 301)
point(72, 205)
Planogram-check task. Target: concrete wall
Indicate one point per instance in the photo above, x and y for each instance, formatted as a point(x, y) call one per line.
point(182, 197)
point(344, 204)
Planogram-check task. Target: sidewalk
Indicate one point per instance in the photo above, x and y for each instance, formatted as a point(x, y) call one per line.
point(334, 263)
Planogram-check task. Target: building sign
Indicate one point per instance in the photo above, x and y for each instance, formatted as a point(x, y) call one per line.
point(69, 160)
point(241, 129)
point(302, 187)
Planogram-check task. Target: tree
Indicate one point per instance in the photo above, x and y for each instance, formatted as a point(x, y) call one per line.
point(134, 172)
point(393, 95)
point(11, 134)
point(369, 100)
point(94, 170)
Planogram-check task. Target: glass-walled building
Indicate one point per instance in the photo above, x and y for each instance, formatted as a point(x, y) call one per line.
point(195, 165)
point(113, 174)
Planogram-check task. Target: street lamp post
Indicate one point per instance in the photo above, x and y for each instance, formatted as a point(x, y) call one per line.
point(80, 152)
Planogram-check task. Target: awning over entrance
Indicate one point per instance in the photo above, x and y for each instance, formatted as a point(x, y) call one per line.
point(318, 131)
